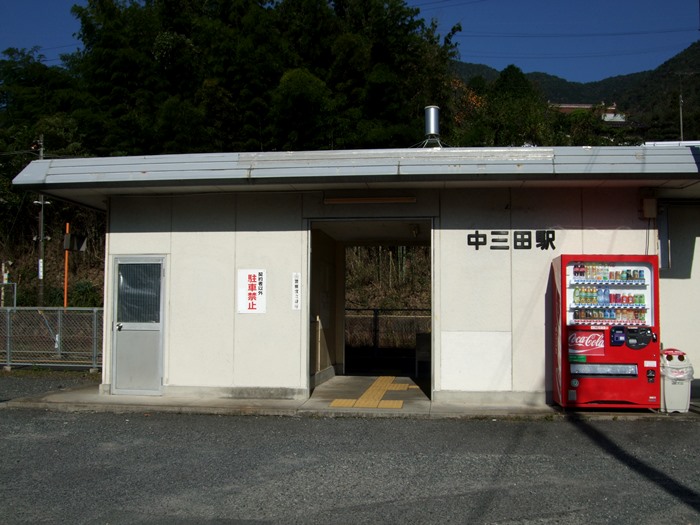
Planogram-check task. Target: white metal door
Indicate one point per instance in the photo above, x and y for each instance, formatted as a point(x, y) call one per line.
point(138, 326)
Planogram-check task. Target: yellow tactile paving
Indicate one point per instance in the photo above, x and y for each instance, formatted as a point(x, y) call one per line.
point(398, 386)
point(373, 396)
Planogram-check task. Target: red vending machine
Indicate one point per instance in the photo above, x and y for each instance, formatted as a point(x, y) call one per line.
point(606, 331)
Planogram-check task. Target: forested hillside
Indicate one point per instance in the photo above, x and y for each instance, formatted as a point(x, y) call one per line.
point(651, 100)
point(181, 76)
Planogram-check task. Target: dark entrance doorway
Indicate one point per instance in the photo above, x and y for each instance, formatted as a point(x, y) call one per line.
point(371, 298)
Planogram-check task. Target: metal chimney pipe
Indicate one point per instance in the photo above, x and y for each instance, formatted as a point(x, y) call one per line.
point(432, 121)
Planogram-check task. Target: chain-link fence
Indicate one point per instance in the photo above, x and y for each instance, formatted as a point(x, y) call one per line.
point(380, 328)
point(70, 337)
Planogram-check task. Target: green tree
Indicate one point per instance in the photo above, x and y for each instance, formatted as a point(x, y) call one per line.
point(400, 68)
point(120, 76)
point(35, 100)
point(511, 111)
point(177, 76)
point(517, 112)
point(40, 101)
point(300, 109)
point(186, 75)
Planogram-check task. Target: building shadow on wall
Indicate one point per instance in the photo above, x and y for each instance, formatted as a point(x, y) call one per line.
point(681, 227)
point(548, 338)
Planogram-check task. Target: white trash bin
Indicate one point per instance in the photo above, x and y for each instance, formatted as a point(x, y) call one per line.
point(677, 373)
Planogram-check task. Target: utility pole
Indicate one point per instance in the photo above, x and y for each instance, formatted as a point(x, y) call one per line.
point(41, 202)
point(4, 282)
point(41, 250)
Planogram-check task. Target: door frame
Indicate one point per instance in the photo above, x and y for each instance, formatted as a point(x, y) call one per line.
point(137, 259)
point(432, 228)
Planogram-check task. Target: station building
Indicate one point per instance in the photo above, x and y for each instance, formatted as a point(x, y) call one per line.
point(225, 272)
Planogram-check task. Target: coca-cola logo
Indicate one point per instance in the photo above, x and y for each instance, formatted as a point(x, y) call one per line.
point(591, 343)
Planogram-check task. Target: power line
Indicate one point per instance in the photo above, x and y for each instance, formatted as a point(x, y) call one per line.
point(475, 34)
point(602, 54)
point(41, 48)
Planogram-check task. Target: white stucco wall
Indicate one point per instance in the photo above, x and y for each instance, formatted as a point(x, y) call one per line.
point(475, 342)
point(494, 311)
point(270, 349)
point(208, 344)
point(491, 311)
point(200, 282)
point(680, 284)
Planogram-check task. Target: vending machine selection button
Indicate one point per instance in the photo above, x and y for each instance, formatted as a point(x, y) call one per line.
point(638, 338)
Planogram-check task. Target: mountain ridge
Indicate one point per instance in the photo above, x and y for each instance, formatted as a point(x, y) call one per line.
point(661, 100)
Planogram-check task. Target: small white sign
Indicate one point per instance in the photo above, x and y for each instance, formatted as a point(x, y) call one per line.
point(296, 291)
point(252, 291)
point(649, 364)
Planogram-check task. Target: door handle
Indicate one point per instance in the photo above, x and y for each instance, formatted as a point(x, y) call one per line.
point(120, 326)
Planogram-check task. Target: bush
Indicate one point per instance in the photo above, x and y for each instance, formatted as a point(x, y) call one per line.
point(85, 294)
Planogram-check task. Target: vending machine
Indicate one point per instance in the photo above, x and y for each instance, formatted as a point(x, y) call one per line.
point(606, 331)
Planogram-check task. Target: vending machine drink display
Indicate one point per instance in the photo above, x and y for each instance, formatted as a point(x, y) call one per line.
point(606, 331)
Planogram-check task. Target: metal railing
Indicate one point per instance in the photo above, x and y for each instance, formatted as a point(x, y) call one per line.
point(63, 337)
point(385, 328)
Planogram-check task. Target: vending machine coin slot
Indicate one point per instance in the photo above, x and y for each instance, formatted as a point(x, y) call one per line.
point(617, 335)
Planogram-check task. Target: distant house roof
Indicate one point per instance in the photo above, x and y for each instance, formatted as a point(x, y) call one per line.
point(91, 181)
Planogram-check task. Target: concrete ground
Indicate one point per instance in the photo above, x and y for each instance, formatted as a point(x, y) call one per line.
point(342, 396)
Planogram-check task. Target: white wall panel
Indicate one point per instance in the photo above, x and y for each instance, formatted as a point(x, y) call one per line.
point(476, 361)
point(201, 291)
point(532, 211)
point(267, 346)
point(612, 223)
point(475, 284)
point(140, 225)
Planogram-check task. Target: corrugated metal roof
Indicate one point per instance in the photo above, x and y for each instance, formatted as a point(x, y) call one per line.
point(91, 180)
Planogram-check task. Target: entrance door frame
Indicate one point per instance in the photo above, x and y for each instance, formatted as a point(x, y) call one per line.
point(116, 326)
point(434, 290)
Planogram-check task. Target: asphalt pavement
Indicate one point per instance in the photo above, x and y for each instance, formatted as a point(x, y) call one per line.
point(164, 467)
point(167, 468)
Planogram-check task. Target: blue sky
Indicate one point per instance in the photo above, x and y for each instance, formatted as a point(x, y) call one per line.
point(579, 40)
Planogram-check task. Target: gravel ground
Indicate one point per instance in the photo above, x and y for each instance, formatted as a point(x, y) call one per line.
point(32, 381)
point(177, 469)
